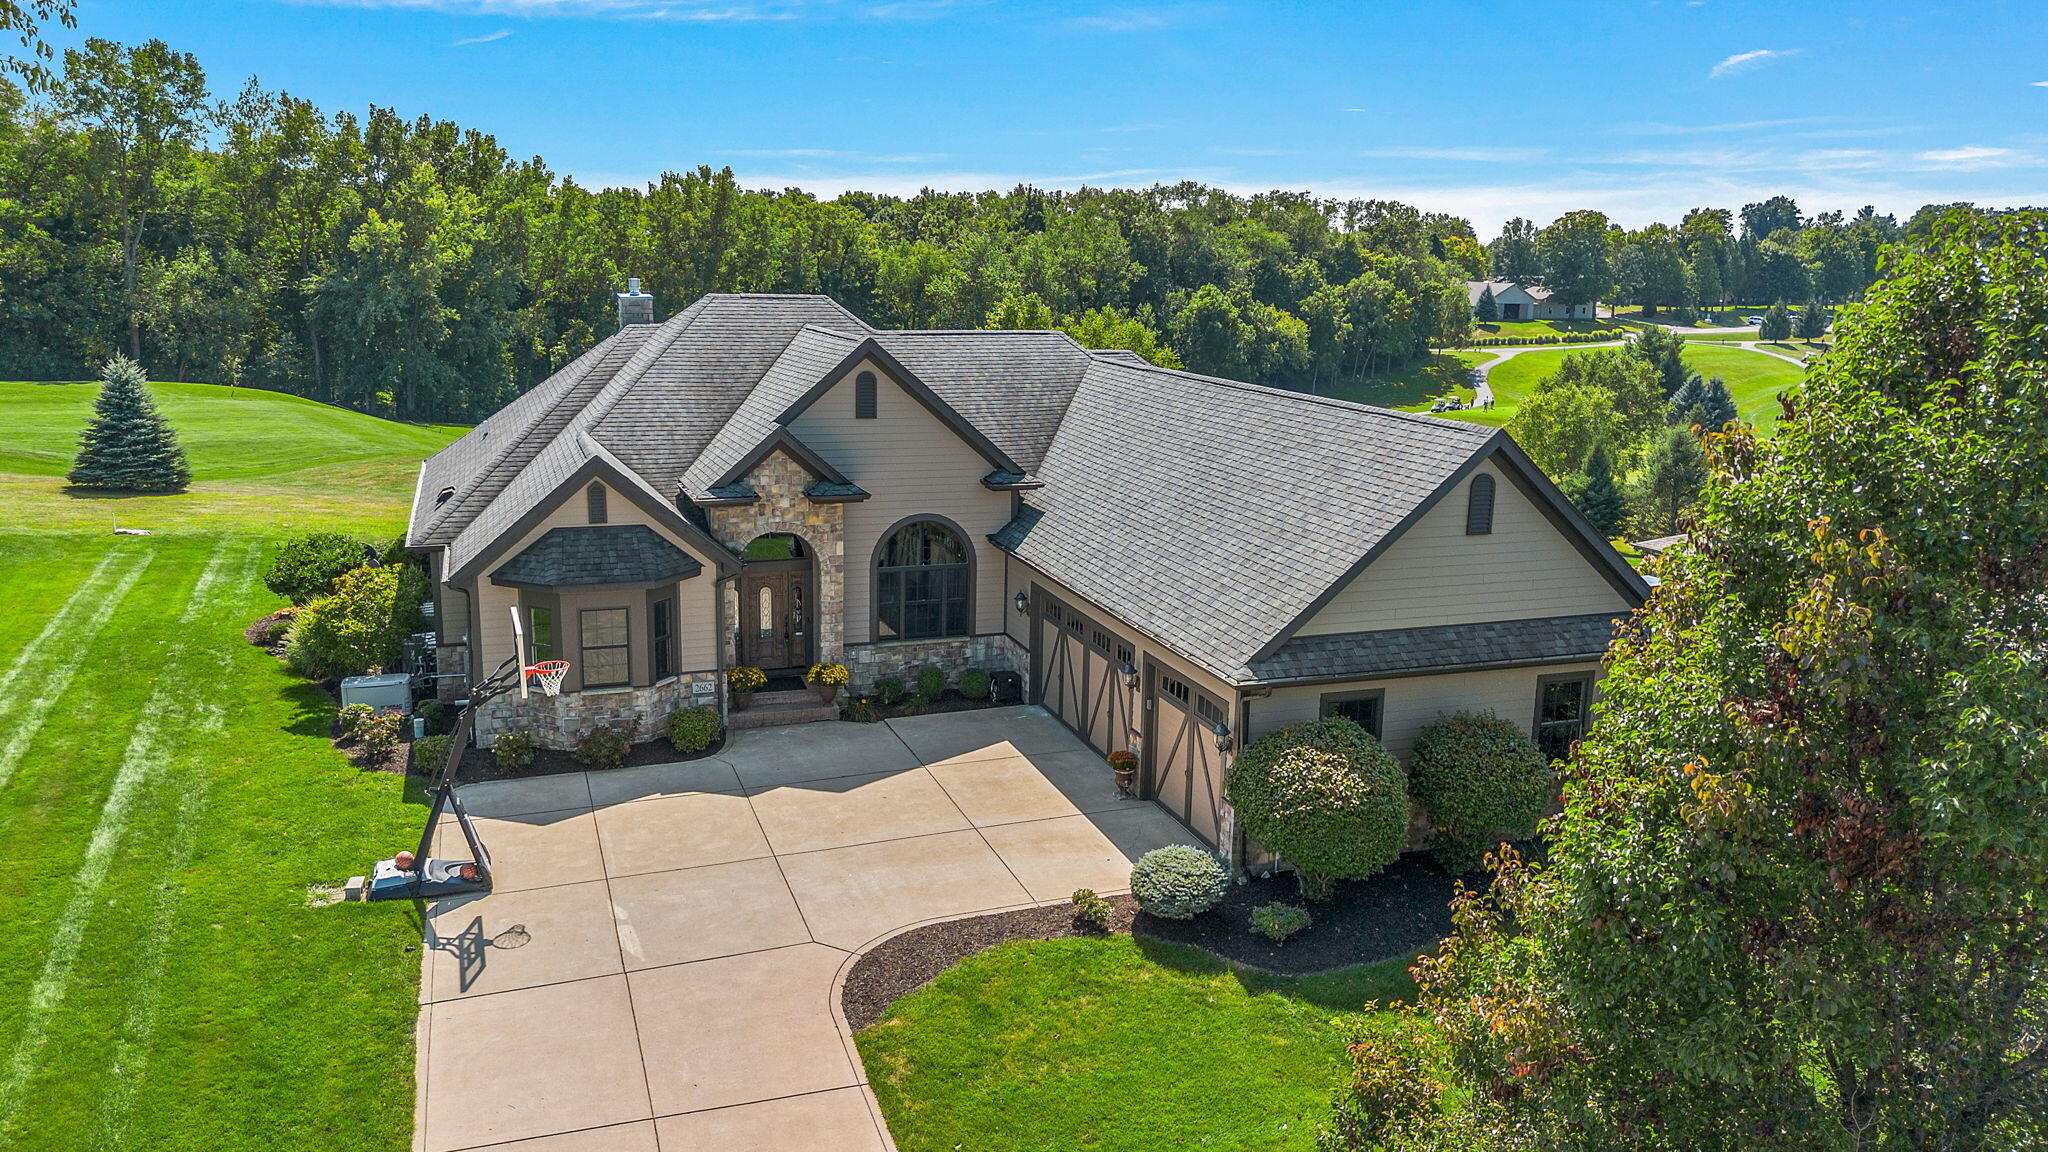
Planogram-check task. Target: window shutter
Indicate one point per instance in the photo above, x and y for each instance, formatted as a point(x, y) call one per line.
point(864, 396)
point(594, 498)
point(1479, 506)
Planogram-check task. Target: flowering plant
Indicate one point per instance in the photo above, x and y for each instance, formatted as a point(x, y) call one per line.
point(744, 678)
point(827, 675)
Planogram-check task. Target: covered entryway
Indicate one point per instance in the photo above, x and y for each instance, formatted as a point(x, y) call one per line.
point(1079, 672)
point(1183, 767)
point(776, 597)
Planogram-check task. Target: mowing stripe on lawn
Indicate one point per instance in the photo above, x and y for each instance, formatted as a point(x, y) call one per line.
point(57, 621)
point(138, 1024)
point(58, 667)
point(176, 708)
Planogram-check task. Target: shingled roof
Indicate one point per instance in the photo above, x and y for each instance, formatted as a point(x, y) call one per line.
point(1438, 648)
point(1210, 513)
point(599, 554)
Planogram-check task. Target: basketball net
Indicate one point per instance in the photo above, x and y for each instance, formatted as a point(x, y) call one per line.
point(547, 675)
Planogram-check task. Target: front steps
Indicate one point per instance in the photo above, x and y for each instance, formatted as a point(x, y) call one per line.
point(795, 706)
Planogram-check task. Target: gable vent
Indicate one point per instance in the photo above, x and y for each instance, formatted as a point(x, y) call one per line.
point(1479, 506)
point(864, 396)
point(593, 497)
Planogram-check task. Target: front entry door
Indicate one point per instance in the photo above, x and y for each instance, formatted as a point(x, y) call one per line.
point(775, 619)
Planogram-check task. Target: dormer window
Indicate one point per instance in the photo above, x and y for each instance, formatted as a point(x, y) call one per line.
point(1479, 506)
point(593, 498)
point(864, 396)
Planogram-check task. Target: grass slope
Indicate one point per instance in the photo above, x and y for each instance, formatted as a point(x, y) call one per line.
point(1754, 378)
point(168, 795)
point(1114, 1043)
point(1413, 384)
point(261, 459)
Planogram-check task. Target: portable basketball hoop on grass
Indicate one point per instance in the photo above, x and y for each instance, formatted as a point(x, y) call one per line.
point(416, 875)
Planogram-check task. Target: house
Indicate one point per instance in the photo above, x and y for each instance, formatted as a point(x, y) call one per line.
point(1525, 301)
point(1173, 563)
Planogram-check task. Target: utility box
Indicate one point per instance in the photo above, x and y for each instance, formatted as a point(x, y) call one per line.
point(390, 690)
point(1007, 687)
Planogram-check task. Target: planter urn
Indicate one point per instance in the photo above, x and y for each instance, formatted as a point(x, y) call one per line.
point(741, 701)
point(826, 692)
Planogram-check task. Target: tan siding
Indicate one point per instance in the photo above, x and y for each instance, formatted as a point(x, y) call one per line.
point(911, 464)
point(1414, 701)
point(696, 610)
point(1435, 574)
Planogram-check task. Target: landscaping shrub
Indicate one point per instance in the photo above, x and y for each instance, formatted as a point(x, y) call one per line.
point(429, 753)
point(353, 718)
point(889, 690)
point(434, 713)
point(1481, 781)
point(513, 749)
point(380, 734)
point(361, 626)
point(1276, 921)
point(603, 747)
point(1324, 795)
point(826, 676)
point(308, 565)
point(931, 683)
point(974, 683)
point(745, 678)
point(916, 704)
point(1093, 909)
point(693, 729)
point(860, 710)
point(1179, 882)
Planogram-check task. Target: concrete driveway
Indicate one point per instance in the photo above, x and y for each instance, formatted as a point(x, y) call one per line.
point(657, 966)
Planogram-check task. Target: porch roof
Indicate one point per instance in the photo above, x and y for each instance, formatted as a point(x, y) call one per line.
point(599, 554)
point(1439, 648)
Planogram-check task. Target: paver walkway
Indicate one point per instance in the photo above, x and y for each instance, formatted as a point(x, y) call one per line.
point(657, 967)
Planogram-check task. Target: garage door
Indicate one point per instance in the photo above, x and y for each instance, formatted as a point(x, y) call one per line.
point(1182, 760)
point(1079, 675)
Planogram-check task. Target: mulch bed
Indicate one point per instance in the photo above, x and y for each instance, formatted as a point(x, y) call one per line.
point(1402, 909)
point(482, 764)
point(1399, 911)
point(952, 701)
point(901, 965)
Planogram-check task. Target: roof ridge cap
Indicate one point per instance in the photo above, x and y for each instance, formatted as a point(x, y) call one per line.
point(1291, 394)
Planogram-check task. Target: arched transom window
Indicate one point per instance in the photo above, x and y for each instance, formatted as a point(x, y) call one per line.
point(924, 582)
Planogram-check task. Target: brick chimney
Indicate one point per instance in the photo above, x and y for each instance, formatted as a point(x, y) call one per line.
point(635, 306)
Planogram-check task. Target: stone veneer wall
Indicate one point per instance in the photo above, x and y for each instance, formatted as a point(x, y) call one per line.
point(867, 663)
point(779, 482)
point(559, 721)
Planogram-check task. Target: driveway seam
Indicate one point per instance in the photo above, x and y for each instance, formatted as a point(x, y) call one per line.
point(1011, 872)
point(619, 947)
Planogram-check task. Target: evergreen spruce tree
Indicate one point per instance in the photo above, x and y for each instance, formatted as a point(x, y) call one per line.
point(1487, 310)
point(1717, 405)
point(1813, 321)
point(1665, 351)
point(1601, 499)
point(1674, 472)
point(129, 445)
point(1777, 323)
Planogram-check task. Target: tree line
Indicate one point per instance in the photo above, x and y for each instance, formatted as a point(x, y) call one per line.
point(413, 268)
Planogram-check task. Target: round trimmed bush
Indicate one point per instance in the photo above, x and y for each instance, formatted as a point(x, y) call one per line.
point(889, 690)
point(931, 683)
point(1481, 780)
point(974, 683)
point(1277, 921)
point(308, 565)
point(430, 753)
point(514, 749)
point(1179, 882)
point(1324, 795)
point(602, 747)
point(692, 729)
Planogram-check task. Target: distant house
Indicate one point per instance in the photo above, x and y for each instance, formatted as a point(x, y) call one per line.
point(1525, 301)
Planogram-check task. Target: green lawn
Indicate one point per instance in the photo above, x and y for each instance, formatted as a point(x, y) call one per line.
point(1115, 1043)
point(263, 459)
point(168, 797)
point(1753, 377)
point(1415, 383)
point(1547, 327)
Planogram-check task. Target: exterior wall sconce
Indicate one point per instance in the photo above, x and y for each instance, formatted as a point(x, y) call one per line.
point(1023, 604)
point(1222, 733)
point(1130, 676)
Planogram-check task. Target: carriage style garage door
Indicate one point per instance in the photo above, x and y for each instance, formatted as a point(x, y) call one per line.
point(1181, 761)
point(1079, 675)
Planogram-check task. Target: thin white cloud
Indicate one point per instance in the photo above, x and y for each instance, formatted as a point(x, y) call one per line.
point(2039, 84)
point(1659, 128)
point(1127, 20)
point(1973, 158)
point(1477, 154)
point(1745, 61)
point(486, 38)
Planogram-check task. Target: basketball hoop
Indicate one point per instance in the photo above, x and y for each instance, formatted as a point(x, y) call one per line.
point(547, 675)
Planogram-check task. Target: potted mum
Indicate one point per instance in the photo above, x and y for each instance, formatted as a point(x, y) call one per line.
point(1125, 763)
point(744, 682)
point(827, 679)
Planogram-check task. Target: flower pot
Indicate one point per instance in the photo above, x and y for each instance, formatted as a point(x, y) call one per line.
point(1127, 779)
point(741, 701)
point(826, 692)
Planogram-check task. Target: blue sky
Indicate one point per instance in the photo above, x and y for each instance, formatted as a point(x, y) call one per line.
point(1641, 109)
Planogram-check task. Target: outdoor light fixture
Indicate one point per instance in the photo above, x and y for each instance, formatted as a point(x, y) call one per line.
point(1023, 604)
point(1222, 733)
point(1130, 675)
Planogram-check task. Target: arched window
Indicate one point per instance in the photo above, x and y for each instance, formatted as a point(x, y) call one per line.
point(593, 498)
point(1479, 506)
point(924, 583)
point(864, 396)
